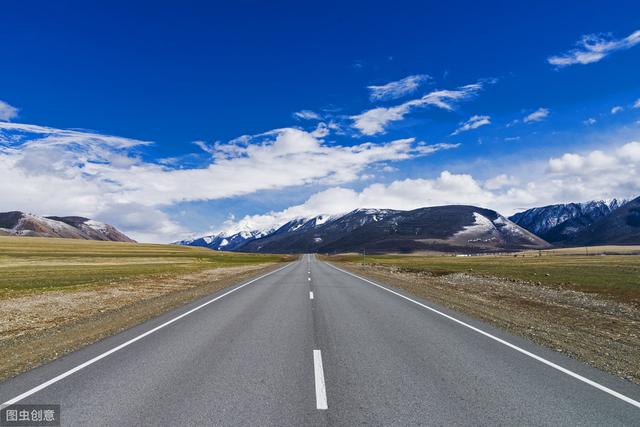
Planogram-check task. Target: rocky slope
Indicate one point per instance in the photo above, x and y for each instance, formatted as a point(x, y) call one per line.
point(620, 227)
point(561, 223)
point(18, 223)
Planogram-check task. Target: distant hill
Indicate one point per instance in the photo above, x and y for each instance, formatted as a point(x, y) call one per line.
point(464, 229)
point(560, 223)
point(69, 227)
point(620, 227)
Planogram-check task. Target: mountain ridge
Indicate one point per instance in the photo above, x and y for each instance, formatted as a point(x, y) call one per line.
point(18, 223)
point(621, 226)
point(452, 228)
point(559, 223)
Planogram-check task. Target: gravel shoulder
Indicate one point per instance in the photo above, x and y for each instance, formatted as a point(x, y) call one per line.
point(38, 327)
point(595, 329)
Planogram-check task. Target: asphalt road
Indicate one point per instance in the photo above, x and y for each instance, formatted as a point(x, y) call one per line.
point(312, 345)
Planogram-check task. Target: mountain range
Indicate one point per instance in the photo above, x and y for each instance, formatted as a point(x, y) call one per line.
point(560, 224)
point(18, 223)
point(454, 228)
point(620, 227)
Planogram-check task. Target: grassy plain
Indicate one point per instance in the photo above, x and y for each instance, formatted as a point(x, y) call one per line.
point(615, 275)
point(34, 264)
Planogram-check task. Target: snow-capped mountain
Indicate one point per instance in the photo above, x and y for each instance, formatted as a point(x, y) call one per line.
point(242, 233)
point(620, 227)
point(17, 223)
point(229, 239)
point(443, 228)
point(559, 223)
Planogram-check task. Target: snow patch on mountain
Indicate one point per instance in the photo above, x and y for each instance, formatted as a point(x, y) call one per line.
point(482, 225)
point(96, 225)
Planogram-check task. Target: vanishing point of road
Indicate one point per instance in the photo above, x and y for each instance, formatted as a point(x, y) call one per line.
point(310, 344)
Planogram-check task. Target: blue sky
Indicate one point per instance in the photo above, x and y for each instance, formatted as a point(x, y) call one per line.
point(506, 105)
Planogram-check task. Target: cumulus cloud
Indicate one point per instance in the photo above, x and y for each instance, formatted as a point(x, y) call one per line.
point(62, 172)
point(590, 121)
point(537, 116)
point(500, 181)
point(571, 177)
point(637, 103)
point(594, 47)
point(617, 109)
point(403, 194)
point(376, 120)
point(306, 115)
point(473, 123)
point(397, 89)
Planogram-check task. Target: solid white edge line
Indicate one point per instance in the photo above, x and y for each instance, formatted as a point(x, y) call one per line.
point(310, 294)
point(127, 343)
point(321, 392)
point(508, 344)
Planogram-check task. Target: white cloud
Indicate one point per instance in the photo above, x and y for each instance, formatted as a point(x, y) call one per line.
point(376, 120)
point(404, 194)
point(205, 147)
point(538, 115)
point(63, 172)
point(7, 112)
point(500, 181)
point(594, 47)
point(473, 123)
point(306, 115)
point(637, 103)
point(590, 121)
point(617, 109)
point(321, 131)
point(397, 88)
point(568, 178)
point(31, 135)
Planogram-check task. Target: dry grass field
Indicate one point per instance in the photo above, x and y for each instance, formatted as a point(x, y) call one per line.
point(41, 264)
point(607, 270)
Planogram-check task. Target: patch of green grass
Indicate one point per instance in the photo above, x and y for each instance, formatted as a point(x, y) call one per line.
point(32, 263)
point(610, 272)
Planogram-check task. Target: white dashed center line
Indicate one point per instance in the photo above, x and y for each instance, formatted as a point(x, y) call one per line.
point(321, 393)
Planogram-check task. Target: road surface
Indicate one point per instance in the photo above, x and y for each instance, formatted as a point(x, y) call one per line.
point(313, 345)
